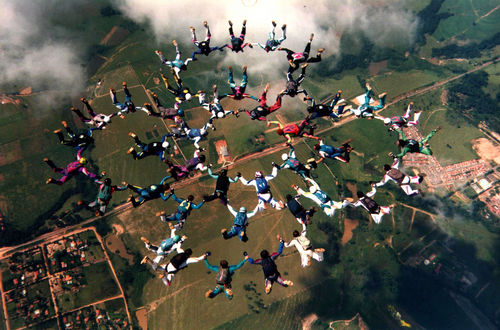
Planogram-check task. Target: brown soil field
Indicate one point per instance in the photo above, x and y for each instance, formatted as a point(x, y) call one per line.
point(142, 317)
point(349, 226)
point(486, 149)
point(114, 243)
point(376, 67)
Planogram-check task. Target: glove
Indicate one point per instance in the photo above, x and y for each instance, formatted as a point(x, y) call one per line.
point(245, 253)
point(207, 254)
point(275, 165)
point(238, 174)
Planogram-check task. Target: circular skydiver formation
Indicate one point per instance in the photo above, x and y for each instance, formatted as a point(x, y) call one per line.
point(181, 130)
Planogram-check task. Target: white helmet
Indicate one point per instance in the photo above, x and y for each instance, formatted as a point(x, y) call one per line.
point(258, 174)
point(188, 96)
point(243, 209)
point(284, 156)
point(387, 121)
point(220, 114)
point(165, 145)
point(313, 189)
point(153, 187)
point(107, 119)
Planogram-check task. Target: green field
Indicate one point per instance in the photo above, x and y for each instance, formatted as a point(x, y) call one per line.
point(468, 20)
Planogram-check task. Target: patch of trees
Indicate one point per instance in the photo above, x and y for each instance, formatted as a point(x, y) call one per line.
point(468, 51)
point(468, 99)
point(429, 19)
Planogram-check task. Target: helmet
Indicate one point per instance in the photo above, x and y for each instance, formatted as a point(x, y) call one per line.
point(107, 181)
point(83, 160)
point(153, 187)
point(284, 156)
point(106, 119)
point(312, 189)
point(243, 209)
point(387, 121)
point(176, 238)
point(81, 136)
point(220, 114)
point(180, 112)
point(165, 145)
point(258, 174)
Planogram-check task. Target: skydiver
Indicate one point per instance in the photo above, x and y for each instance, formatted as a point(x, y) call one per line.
point(272, 43)
point(305, 248)
point(261, 112)
point(203, 46)
point(128, 106)
point(366, 110)
point(392, 173)
point(269, 267)
point(414, 146)
point(223, 278)
point(261, 185)
point(376, 211)
point(71, 169)
point(158, 148)
point(237, 43)
point(240, 223)
point(319, 197)
point(295, 59)
point(178, 64)
point(398, 122)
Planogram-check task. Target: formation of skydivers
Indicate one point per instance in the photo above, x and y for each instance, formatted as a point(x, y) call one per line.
point(180, 129)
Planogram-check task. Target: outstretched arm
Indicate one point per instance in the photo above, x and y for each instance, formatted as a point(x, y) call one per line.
point(175, 198)
point(165, 196)
point(195, 260)
point(275, 122)
point(280, 250)
point(311, 181)
point(79, 154)
point(164, 179)
point(273, 174)
point(247, 183)
point(254, 212)
point(314, 137)
point(255, 262)
point(211, 267)
point(197, 206)
point(233, 211)
point(373, 192)
point(396, 163)
point(384, 180)
point(401, 134)
point(234, 268)
point(211, 174)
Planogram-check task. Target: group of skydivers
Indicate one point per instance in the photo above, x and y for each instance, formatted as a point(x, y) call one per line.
point(334, 109)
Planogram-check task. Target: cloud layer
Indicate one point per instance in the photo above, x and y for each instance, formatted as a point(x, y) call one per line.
point(385, 23)
point(29, 54)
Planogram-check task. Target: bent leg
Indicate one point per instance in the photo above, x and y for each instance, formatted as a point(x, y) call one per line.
point(212, 294)
point(276, 104)
point(409, 190)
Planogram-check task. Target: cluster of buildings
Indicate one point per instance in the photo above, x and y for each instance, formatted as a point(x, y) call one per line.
point(66, 253)
point(488, 190)
point(93, 317)
point(32, 281)
point(482, 176)
point(25, 290)
point(29, 304)
point(451, 176)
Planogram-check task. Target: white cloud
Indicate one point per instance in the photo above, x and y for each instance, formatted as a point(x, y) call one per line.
point(383, 22)
point(28, 53)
